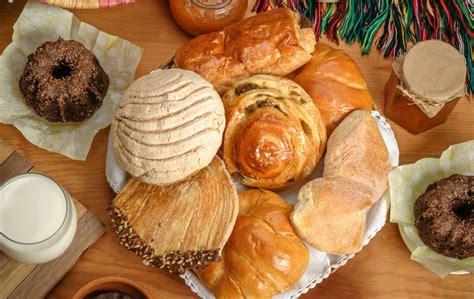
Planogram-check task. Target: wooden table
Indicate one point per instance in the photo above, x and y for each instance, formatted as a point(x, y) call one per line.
point(382, 269)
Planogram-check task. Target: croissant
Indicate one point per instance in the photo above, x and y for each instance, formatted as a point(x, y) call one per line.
point(274, 135)
point(263, 256)
point(180, 226)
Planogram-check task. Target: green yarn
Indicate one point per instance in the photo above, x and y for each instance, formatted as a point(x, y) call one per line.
point(348, 22)
point(371, 29)
point(326, 17)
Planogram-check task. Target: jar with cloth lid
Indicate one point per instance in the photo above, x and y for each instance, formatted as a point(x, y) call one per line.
point(425, 86)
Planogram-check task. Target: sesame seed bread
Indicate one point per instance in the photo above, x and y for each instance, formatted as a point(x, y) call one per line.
point(180, 226)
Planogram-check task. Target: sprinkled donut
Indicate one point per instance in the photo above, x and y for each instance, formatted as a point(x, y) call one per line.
point(64, 82)
point(444, 216)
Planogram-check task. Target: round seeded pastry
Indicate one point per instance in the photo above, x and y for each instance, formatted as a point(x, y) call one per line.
point(168, 126)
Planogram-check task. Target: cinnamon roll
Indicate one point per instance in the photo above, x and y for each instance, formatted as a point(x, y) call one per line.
point(274, 135)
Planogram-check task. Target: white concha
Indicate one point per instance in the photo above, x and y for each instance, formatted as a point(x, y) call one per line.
point(168, 126)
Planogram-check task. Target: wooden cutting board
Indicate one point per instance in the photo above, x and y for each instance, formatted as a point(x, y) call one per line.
point(19, 280)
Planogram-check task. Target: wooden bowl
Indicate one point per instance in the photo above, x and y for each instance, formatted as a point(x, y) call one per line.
point(113, 284)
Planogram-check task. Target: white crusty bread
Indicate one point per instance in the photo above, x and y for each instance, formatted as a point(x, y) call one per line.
point(356, 150)
point(331, 211)
point(168, 126)
point(330, 214)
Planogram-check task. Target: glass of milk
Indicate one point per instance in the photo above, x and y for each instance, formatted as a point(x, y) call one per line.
point(38, 219)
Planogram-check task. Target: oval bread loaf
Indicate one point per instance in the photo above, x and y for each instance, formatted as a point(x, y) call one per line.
point(335, 83)
point(168, 126)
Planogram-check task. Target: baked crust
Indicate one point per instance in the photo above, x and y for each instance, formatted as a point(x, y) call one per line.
point(335, 83)
point(330, 214)
point(263, 256)
point(331, 211)
point(268, 43)
point(356, 150)
point(274, 135)
point(180, 226)
point(168, 126)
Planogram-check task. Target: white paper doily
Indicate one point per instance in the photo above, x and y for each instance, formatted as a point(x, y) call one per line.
point(320, 264)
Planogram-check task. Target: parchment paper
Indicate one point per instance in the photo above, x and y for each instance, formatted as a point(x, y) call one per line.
point(39, 23)
point(408, 182)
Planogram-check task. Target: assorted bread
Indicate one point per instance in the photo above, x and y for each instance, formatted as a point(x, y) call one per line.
point(270, 43)
point(180, 210)
point(180, 226)
point(168, 126)
point(330, 213)
point(263, 256)
point(185, 148)
point(274, 136)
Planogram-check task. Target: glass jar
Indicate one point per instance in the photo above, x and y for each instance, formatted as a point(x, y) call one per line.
point(401, 110)
point(425, 86)
point(202, 16)
point(38, 219)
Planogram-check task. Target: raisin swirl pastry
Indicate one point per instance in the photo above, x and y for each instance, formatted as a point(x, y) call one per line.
point(274, 135)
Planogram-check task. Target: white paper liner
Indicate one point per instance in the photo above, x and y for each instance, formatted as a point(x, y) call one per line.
point(37, 24)
point(407, 183)
point(321, 264)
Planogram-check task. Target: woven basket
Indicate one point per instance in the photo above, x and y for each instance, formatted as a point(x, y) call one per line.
point(86, 4)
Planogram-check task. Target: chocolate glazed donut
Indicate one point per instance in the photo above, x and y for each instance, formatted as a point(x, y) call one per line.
point(64, 82)
point(274, 135)
point(444, 216)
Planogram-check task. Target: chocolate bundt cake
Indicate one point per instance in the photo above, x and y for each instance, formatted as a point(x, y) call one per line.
point(444, 216)
point(63, 81)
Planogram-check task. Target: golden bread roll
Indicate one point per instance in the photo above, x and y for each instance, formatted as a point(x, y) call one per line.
point(356, 150)
point(168, 126)
point(203, 16)
point(180, 226)
point(330, 213)
point(274, 135)
point(268, 43)
point(263, 256)
point(335, 83)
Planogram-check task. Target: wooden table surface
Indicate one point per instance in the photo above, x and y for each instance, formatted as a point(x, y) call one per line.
point(382, 269)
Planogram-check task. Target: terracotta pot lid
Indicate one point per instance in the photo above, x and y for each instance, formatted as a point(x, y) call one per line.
point(105, 286)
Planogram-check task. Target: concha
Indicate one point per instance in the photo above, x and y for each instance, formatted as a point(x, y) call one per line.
point(168, 126)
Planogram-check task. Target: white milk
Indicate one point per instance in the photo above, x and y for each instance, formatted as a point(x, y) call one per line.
point(37, 219)
point(32, 209)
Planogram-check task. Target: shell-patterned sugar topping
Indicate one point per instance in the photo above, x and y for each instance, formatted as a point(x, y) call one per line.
point(168, 126)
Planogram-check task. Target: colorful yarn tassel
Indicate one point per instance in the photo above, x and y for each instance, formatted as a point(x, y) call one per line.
point(398, 22)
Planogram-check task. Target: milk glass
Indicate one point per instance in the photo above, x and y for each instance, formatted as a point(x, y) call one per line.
point(38, 218)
